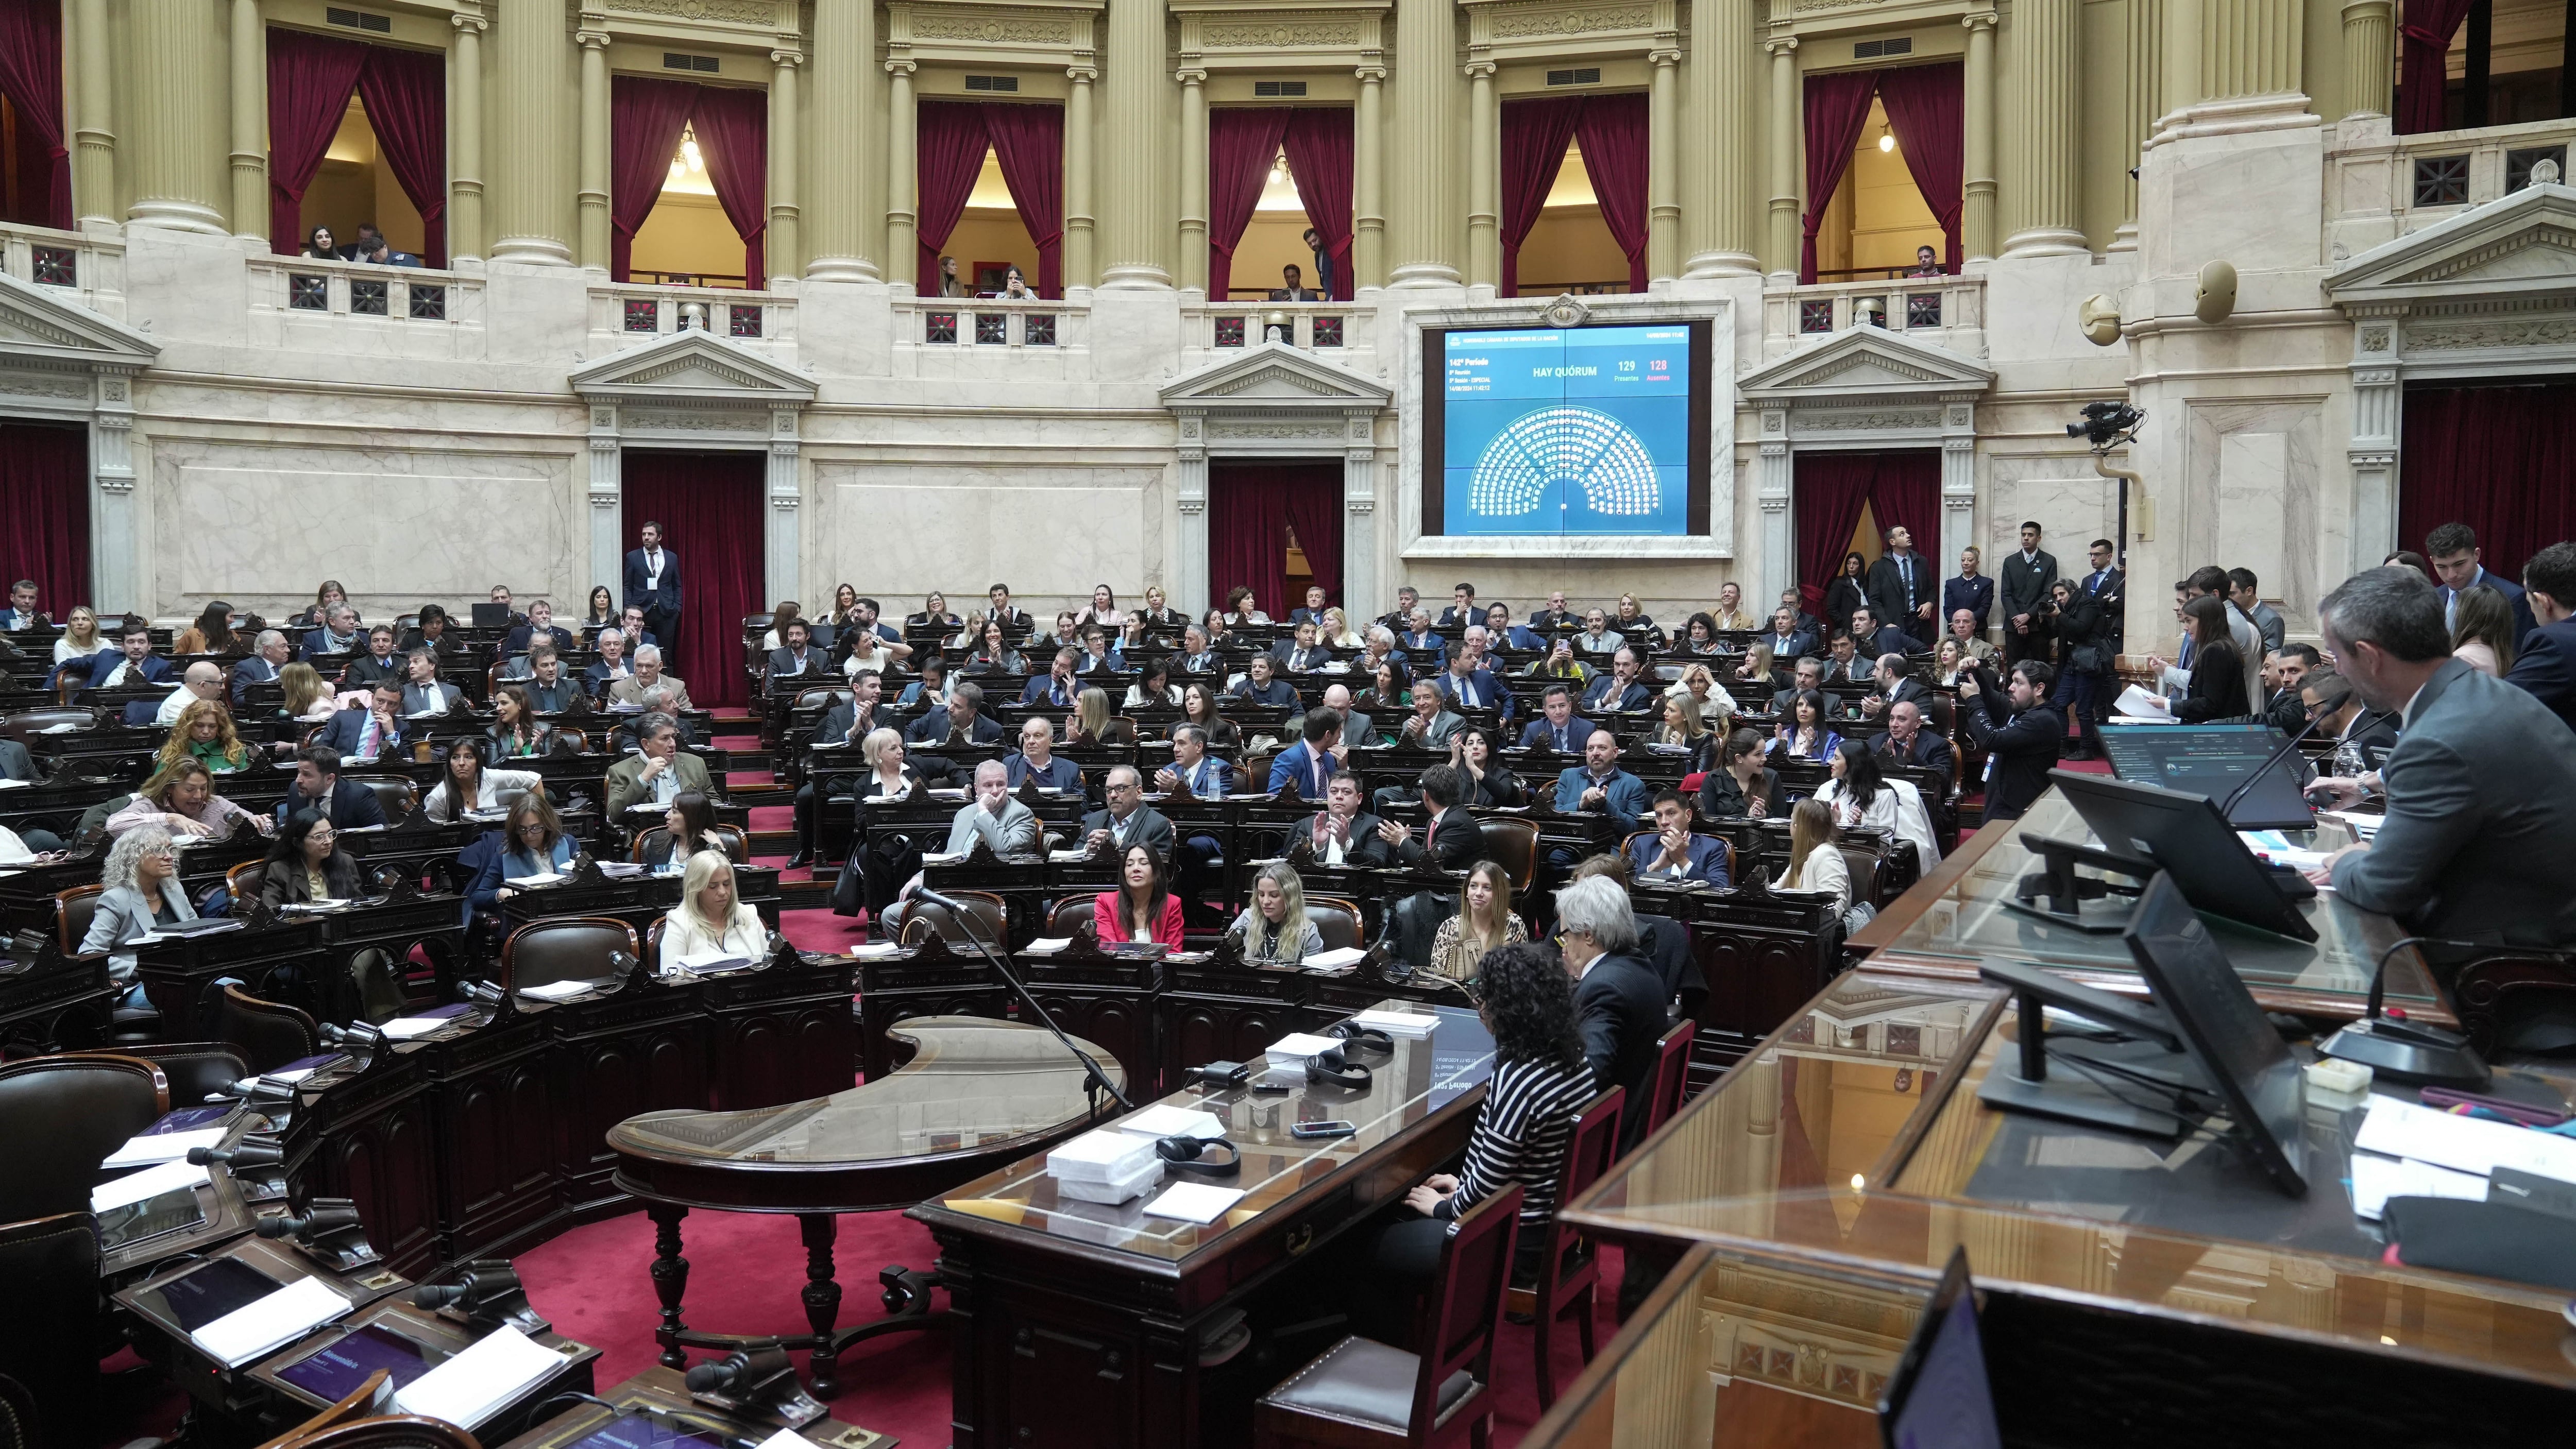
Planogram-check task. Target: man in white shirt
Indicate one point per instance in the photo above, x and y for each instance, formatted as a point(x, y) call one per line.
point(653, 584)
point(204, 680)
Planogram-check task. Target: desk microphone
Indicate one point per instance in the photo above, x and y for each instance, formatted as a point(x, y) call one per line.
point(2410, 1050)
point(356, 1033)
point(316, 1223)
point(2227, 807)
point(247, 1154)
point(737, 1373)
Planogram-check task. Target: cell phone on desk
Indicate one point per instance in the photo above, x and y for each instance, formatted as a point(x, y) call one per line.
point(1321, 1129)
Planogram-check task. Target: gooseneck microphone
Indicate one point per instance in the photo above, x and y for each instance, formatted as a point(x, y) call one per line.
point(247, 1154)
point(313, 1224)
point(2226, 807)
point(738, 1373)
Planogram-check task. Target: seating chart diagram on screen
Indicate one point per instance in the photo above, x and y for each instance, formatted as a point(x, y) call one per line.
point(1580, 430)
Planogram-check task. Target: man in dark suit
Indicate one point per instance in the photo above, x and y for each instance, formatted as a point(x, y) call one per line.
point(1902, 585)
point(1057, 687)
point(549, 689)
point(1312, 611)
point(1309, 764)
point(1128, 820)
point(2545, 665)
point(1672, 854)
point(653, 584)
point(22, 612)
point(1202, 775)
point(1907, 742)
point(423, 691)
point(1598, 786)
point(1357, 727)
point(2022, 583)
point(371, 730)
point(1872, 636)
point(539, 629)
point(1620, 691)
point(1452, 841)
point(1788, 641)
point(1895, 687)
point(2021, 732)
point(1618, 995)
point(1301, 654)
point(960, 718)
point(1400, 618)
point(377, 663)
point(1292, 287)
point(1810, 675)
point(1462, 610)
point(15, 762)
point(1343, 832)
point(1467, 685)
point(795, 655)
point(1558, 728)
point(317, 780)
point(269, 653)
point(631, 623)
point(338, 634)
point(2283, 673)
point(1505, 634)
point(1015, 622)
point(2481, 788)
point(1844, 663)
point(2452, 550)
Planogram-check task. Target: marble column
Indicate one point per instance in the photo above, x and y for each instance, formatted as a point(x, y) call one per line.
point(903, 198)
point(1773, 477)
point(1787, 122)
point(1194, 182)
point(844, 59)
point(2377, 398)
point(1360, 581)
point(596, 245)
point(1189, 572)
point(2183, 30)
point(116, 576)
point(1663, 167)
point(1368, 201)
point(1484, 178)
point(1135, 179)
point(606, 492)
point(782, 249)
point(2143, 82)
point(1424, 218)
point(465, 146)
point(1977, 139)
point(2369, 57)
point(779, 540)
point(1718, 182)
point(528, 194)
point(1079, 265)
point(2041, 132)
point(2250, 48)
point(176, 184)
point(250, 120)
point(93, 121)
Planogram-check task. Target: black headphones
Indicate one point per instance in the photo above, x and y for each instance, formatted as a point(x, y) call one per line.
point(1355, 1037)
point(1181, 1154)
point(1335, 1068)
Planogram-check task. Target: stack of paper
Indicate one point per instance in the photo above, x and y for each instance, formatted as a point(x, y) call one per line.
point(481, 1381)
point(1299, 1045)
point(1414, 1024)
point(2421, 1152)
point(874, 950)
point(1337, 961)
point(405, 1028)
point(714, 962)
point(556, 990)
point(1047, 946)
point(280, 1318)
point(151, 1182)
point(147, 1148)
point(1194, 1202)
point(1167, 1121)
point(302, 1067)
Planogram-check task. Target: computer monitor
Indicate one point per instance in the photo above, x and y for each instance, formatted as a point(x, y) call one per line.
point(2248, 1065)
point(1940, 1396)
point(2182, 834)
point(491, 616)
point(2216, 760)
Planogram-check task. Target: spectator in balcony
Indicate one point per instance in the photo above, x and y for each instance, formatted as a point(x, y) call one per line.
point(1015, 287)
point(1323, 265)
point(321, 246)
point(1292, 287)
point(949, 285)
point(381, 252)
point(1927, 263)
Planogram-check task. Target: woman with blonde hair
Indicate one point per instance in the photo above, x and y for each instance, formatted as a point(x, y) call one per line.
point(1337, 633)
point(1092, 723)
point(710, 919)
point(1274, 930)
point(1698, 689)
point(1815, 861)
point(307, 699)
point(81, 638)
point(1681, 728)
point(1485, 922)
point(204, 733)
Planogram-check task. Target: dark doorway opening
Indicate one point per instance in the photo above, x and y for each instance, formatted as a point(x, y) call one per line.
point(44, 532)
point(2500, 458)
point(709, 507)
point(1845, 504)
point(1275, 528)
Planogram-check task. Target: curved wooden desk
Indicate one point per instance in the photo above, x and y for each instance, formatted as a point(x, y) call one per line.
point(977, 1094)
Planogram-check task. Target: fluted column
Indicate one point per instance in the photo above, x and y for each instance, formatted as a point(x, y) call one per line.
point(1786, 124)
point(1194, 181)
point(1977, 139)
point(1078, 227)
point(2369, 57)
point(2142, 99)
point(528, 211)
point(465, 149)
point(2041, 132)
point(596, 247)
point(782, 250)
point(1484, 178)
point(903, 187)
point(1424, 217)
point(2250, 48)
point(1368, 198)
point(176, 181)
point(2183, 26)
point(1136, 177)
point(844, 60)
point(93, 134)
point(1663, 166)
point(250, 120)
point(1718, 181)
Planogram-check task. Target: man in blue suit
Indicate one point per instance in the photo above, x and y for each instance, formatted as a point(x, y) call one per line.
point(134, 664)
point(1559, 728)
point(2453, 551)
point(1674, 855)
point(370, 730)
point(1313, 612)
point(1620, 691)
point(1788, 642)
point(1466, 684)
point(653, 584)
point(269, 654)
point(1462, 610)
point(2546, 663)
point(318, 783)
point(1038, 761)
point(338, 634)
point(1309, 764)
point(1598, 786)
point(1057, 687)
point(1508, 635)
point(961, 717)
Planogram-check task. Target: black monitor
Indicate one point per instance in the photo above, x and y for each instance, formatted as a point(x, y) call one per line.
point(2216, 760)
point(2249, 1067)
point(2182, 834)
point(1939, 1396)
point(491, 616)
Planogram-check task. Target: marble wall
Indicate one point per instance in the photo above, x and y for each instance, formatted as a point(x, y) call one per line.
point(897, 531)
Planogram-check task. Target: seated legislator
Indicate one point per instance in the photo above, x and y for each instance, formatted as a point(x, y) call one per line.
point(1599, 786)
point(1561, 662)
point(1008, 828)
point(1261, 684)
point(1342, 833)
point(1466, 684)
point(1966, 628)
point(1619, 996)
point(204, 734)
point(1451, 839)
point(1842, 662)
point(468, 782)
point(211, 634)
point(180, 798)
point(1096, 654)
point(658, 772)
point(1621, 691)
point(338, 634)
point(515, 732)
point(650, 688)
point(1674, 855)
point(1303, 654)
point(141, 876)
point(1482, 778)
point(1091, 723)
point(1143, 909)
point(1906, 742)
point(1558, 727)
point(1810, 674)
point(539, 629)
point(1193, 771)
point(535, 845)
point(133, 664)
point(431, 631)
point(711, 918)
point(1418, 639)
point(423, 692)
point(1357, 729)
point(22, 612)
point(1873, 640)
point(1806, 732)
point(796, 655)
point(931, 685)
point(1698, 689)
point(82, 641)
point(1126, 819)
point(306, 866)
point(960, 720)
point(2545, 663)
point(1815, 861)
point(1057, 687)
point(934, 614)
point(1153, 688)
point(1786, 639)
point(1633, 620)
point(1679, 731)
point(202, 683)
point(1038, 762)
point(630, 622)
point(1741, 785)
point(1310, 762)
point(1430, 724)
point(1273, 930)
point(1199, 707)
point(379, 662)
point(549, 689)
point(1195, 656)
point(1242, 606)
point(1485, 922)
point(611, 666)
point(1505, 634)
point(1862, 796)
point(269, 653)
point(318, 783)
point(368, 731)
point(993, 653)
point(599, 613)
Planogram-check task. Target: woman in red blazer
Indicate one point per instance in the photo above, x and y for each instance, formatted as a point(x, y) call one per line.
point(1143, 908)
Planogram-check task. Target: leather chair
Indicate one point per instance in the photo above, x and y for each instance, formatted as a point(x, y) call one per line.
point(1069, 916)
point(1513, 845)
point(735, 848)
point(73, 910)
point(242, 882)
point(195, 1069)
point(917, 921)
point(1571, 1265)
point(18, 1426)
point(352, 1407)
point(59, 1117)
point(49, 1338)
point(1672, 1075)
point(1864, 867)
point(572, 948)
point(568, 739)
point(389, 1431)
point(1337, 920)
point(1361, 1392)
point(398, 797)
point(268, 1034)
point(26, 724)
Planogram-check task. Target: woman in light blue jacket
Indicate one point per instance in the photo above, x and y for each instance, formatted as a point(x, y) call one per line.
point(142, 880)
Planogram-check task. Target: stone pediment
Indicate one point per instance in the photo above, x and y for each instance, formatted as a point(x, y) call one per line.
point(37, 326)
point(1863, 362)
point(693, 367)
point(2512, 249)
point(1270, 377)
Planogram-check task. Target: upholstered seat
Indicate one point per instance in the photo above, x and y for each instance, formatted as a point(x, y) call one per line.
point(572, 948)
point(194, 1069)
point(1069, 915)
point(1568, 1264)
point(1513, 845)
point(1672, 1074)
point(914, 922)
point(1336, 920)
point(398, 797)
point(49, 1338)
point(1362, 1381)
point(59, 1117)
point(72, 912)
point(268, 1034)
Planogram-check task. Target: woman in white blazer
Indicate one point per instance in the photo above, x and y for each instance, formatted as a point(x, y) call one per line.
point(711, 918)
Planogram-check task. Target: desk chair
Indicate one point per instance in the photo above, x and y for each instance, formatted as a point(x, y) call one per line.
point(350, 1409)
point(656, 838)
point(73, 910)
point(268, 1034)
point(391, 1431)
point(19, 1428)
point(1513, 845)
point(49, 1338)
point(1361, 1394)
point(568, 948)
point(1067, 917)
point(1864, 868)
point(60, 1117)
point(195, 1069)
point(916, 921)
point(1572, 1265)
point(1337, 919)
point(1672, 1075)
point(242, 884)
point(399, 797)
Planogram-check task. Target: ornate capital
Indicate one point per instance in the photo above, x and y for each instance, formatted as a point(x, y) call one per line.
point(608, 444)
point(1370, 75)
point(901, 67)
point(1082, 75)
point(475, 23)
point(787, 57)
point(591, 39)
point(1977, 20)
point(1664, 55)
point(1780, 45)
point(1191, 75)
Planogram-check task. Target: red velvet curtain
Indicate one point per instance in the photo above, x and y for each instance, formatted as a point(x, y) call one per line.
point(44, 532)
point(1926, 110)
point(1251, 507)
point(405, 93)
point(2500, 459)
point(1241, 146)
point(1905, 493)
point(733, 135)
point(1535, 135)
point(2423, 61)
point(949, 141)
point(309, 81)
point(1028, 144)
point(1321, 149)
point(31, 76)
point(1837, 107)
point(709, 506)
point(1831, 490)
point(1612, 131)
point(645, 117)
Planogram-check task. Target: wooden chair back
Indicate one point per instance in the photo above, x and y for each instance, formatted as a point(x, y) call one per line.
point(268, 1034)
point(569, 948)
point(1513, 845)
point(1465, 1302)
point(73, 911)
point(1672, 1074)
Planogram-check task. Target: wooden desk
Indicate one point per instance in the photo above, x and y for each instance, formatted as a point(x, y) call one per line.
point(661, 1391)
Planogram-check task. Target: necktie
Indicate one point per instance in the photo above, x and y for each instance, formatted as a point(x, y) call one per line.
point(1905, 573)
point(1560, 739)
point(367, 739)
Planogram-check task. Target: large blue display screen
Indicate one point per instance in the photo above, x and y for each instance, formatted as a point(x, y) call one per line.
point(1582, 430)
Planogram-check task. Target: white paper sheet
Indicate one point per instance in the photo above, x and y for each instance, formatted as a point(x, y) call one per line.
point(787, 1439)
point(1333, 960)
point(1415, 1024)
point(280, 1318)
point(168, 1147)
point(1047, 946)
point(150, 1182)
point(1168, 1121)
point(714, 959)
point(2377, 1179)
point(2136, 701)
point(556, 990)
point(1300, 1045)
point(2398, 1128)
point(404, 1028)
point(1194, 1202)
point(474, 1385)
point(871, 950)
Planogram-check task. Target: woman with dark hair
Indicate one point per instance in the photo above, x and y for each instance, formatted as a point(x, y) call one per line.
point(1153, 687)
point(1484, 779)
point(1807, 734)
point(318, 614)
point(429, 631)
point(471, 789)
point(211, 634)
point(1699, 636)
point(305, 866)
point(533, 844)
point(1861, 794)
point(322, 246)
point(1387, 692)
point(994, 654)
point(1198, 707)
point(688, 827)
point(1239, 606)
point(1848, 592)
point(1143, 909)
point(2482, 630)
point(601, 613)
point(2080, 633)
point(2215, 686)
point(1743, 785)
point(516, 733)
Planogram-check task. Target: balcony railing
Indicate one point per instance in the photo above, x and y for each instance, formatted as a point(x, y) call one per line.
point(1946, 311)
point(2381, 186)
point(1215, 330)
point(88, 270)
point(989, 324)
point(625, 313)
point(402, 311)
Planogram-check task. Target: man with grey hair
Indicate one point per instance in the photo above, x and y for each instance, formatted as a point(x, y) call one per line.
point(994, 816)
point(1618, 994)
point(668, 690)
point(338, 634)
point(204, 680)
point(2481, 788)
point(269, 654)
point(611, 666)
point(655, 775)
point(1128, 820)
